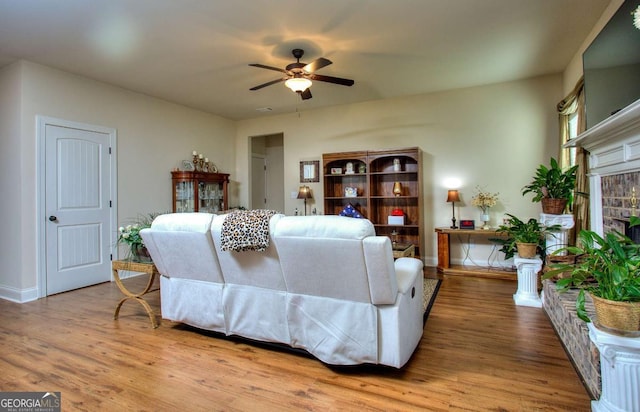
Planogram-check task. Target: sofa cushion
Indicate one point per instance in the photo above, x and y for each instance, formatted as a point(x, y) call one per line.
point(252, 268)
point(323, 256)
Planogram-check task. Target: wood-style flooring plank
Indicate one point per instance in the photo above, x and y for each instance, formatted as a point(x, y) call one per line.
point(479, 352)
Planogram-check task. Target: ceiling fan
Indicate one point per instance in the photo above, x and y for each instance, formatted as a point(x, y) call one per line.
point(300, 75)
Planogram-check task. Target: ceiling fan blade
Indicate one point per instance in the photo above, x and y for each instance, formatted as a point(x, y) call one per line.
point(262, 66)
point(268, 83)
point(330, 79)
point(306, 94)
point(316, 65)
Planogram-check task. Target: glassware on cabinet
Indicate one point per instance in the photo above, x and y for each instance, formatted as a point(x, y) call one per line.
point(199, 192)
point(184, 197)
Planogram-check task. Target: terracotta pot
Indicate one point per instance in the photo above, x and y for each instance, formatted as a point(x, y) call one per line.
point(618, 318)
point(553, 206)
point(527, 250)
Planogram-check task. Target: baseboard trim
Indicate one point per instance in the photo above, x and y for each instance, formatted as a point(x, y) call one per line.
point(18, 295)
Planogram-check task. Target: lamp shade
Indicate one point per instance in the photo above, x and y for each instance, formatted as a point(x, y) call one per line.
point(298, 84)
point(304, 192)
point(453, 196)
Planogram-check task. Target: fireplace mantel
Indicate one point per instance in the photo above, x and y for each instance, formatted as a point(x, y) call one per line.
point(614, 148)
point(614, 143)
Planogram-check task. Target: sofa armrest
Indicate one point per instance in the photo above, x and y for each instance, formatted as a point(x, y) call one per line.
point(407, 270)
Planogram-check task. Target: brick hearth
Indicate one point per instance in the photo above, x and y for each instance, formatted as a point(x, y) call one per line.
point(574, 334)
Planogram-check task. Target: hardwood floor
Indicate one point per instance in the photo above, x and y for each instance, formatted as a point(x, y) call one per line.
point(479, 352)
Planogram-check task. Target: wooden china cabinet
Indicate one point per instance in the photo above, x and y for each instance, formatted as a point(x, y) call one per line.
point(199, 191)
point(367, 180)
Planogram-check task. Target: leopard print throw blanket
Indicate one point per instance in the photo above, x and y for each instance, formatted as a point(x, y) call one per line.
point(246, 230)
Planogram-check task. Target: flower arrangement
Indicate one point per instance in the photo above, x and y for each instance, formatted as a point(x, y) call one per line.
point(130, 234)
point(484, 200)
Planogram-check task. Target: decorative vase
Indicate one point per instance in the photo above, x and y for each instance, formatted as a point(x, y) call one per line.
point(139, 253)
point(485, 220)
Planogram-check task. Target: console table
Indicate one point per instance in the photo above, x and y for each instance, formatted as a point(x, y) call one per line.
point(444, 256)
point(146, 268)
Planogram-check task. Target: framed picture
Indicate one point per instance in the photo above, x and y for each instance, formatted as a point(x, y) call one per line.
point(210, 168)
point(310, 171)
point(336, 170)
point(350, 192)
point(188, 166)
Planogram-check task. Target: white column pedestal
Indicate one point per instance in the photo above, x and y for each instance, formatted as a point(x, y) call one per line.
point(557, 240)
point(527, 293)
point(620, 371)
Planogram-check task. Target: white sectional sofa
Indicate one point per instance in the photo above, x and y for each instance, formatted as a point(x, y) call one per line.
point(326, 284)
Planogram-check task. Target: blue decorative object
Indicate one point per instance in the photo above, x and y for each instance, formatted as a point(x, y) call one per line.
point(350, 211)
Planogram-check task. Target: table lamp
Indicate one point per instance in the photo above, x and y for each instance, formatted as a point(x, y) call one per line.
point(453, 196)
point(304, 193)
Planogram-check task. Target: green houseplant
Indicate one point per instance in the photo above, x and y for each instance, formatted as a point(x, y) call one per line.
point(608, 268)
point(553, 187)
point(525, 238)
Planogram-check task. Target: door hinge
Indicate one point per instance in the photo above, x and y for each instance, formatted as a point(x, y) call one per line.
point(110, 203)
point(111, 257)
point(109, 150)
point(265, 167)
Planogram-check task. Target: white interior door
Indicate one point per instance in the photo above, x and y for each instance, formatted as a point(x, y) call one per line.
point(77, 206)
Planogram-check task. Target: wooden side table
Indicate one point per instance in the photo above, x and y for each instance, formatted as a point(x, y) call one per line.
point(147, 268)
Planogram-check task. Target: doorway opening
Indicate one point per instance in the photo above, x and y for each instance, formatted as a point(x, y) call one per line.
point(267, 172)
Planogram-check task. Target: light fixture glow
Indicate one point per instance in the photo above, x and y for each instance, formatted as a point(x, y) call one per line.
point(298, 84)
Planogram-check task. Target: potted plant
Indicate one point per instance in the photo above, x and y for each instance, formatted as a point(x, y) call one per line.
point(608, 269)
point(525, 238)
point(130, 236)
point(553, 187)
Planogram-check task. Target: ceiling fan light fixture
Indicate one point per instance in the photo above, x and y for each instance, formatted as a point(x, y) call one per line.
point(298, 84)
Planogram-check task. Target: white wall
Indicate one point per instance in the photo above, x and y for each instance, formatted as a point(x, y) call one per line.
point(11, 182)
point(493, 136)
point(153, 137)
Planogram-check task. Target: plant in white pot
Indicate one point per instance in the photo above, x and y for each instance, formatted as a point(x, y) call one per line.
point(608, 269)
point(553, 187)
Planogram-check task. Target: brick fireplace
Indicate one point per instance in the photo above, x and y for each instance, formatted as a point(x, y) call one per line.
point(614, 170)
point(616, 200)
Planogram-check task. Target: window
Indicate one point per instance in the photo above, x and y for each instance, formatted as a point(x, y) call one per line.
point(573, 133)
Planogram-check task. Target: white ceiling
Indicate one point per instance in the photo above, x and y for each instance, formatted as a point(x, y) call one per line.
point(196, 52)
